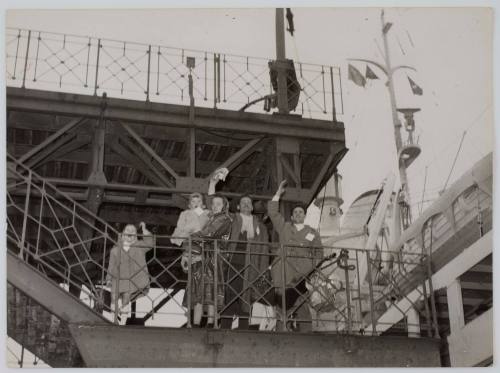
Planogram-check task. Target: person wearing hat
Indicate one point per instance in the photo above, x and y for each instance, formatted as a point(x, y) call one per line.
point(127, 274)
point(303, 251)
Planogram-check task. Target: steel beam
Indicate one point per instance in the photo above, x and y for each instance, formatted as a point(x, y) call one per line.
point(48, 150)
point(64, 150)
point(144, 159)
point(125, 216)
point(234, 160)
point(139, 164)
point(122, 199)
point(54, 298)
point(173, 115)
point(150, 151)
point(51, 139)
point(289, 169)
point(112, 159)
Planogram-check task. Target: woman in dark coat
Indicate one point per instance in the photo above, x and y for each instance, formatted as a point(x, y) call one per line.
point(204, 295)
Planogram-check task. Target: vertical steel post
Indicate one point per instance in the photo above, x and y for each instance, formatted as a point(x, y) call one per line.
point(341, 94)
point(348, 297)
point(189, 284)
point(149, 72)
point(191, 98)
point(158, 72)
point(427, 312)
point(117, 290)
point(192, 152)
point(216, 282)
point(88, 61)
point(370, 287)
point(36, 57)
point(206, 72)
point(218, 77)
point(224, 76)
point(215, 84)
point(433, 300)
point(324, 89)
point(334, 110)
point(26, 59)
point(283, 286)
point(22, 357)
point(17, 54)
point(203, 253)
point(97, 66)
point(360, 305)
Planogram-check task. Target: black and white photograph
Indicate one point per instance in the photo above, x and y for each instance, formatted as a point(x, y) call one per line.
point(248, 186)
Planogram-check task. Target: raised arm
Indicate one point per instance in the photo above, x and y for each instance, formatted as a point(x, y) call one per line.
point(180, 232)
point(219, 174)
point(147, 242)
point(273, 208)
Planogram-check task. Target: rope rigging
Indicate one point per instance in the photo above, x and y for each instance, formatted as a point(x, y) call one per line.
point(455, 160)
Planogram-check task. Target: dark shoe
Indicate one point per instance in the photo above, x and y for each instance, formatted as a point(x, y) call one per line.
point(291, 324)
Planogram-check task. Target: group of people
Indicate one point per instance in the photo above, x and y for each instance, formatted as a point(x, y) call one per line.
point(241, 282)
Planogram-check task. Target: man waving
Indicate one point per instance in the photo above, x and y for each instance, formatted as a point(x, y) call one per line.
point(302, 245)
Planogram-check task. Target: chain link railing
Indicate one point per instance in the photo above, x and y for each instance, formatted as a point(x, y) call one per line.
point(87, 65)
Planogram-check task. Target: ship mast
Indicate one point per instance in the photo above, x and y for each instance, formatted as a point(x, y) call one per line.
point(409, 151)
point(392, 96)
point(406, 152)
point(281, 62)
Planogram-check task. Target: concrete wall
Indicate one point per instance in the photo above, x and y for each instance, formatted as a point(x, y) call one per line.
point(114, 346)
point(472, 343)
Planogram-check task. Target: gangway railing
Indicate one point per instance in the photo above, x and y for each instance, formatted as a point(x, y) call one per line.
point(156, 73)
point(276, 287)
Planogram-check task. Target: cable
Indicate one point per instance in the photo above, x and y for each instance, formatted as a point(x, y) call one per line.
point(410, 39)
point(455, 160)
point(452, 141)
point(423, 192)
point(379, 48)
point(400, 46)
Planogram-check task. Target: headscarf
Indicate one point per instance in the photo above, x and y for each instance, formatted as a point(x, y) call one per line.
point(225, 207)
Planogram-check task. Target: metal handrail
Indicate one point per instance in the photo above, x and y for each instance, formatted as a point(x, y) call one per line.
point(91, 65)
point(50, 238)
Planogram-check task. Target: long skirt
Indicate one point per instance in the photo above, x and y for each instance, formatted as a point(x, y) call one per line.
point(202, 287)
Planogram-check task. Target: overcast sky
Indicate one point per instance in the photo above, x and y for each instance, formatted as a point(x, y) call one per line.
point(451, 48)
